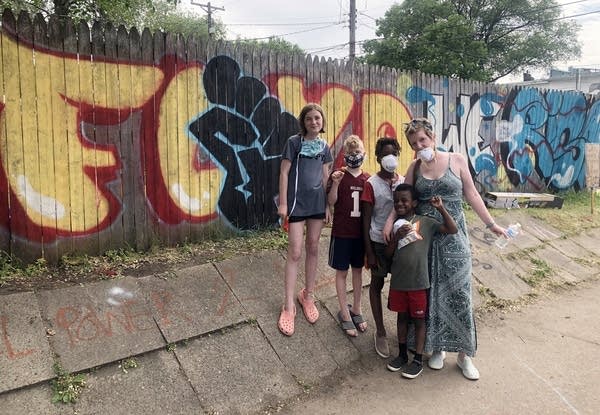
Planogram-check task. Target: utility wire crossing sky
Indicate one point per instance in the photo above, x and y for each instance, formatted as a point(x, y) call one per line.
point(321, 27)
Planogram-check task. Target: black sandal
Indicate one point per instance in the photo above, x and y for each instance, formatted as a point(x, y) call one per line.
point(357, 319)
point(347, 325)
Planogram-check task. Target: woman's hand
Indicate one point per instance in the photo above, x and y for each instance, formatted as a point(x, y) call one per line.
point(498, 230)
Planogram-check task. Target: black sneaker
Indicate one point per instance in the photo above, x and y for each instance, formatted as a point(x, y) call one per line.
point(396, 364)
point(413, 370)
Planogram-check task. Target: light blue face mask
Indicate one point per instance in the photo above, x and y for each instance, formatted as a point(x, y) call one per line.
point(310, 148)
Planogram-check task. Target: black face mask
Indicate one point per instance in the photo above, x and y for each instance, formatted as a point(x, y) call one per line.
point(354, 160)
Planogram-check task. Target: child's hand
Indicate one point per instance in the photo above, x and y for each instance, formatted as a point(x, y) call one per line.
point(436, 202)
point(337, 175)
point(403, 231)
point(371, 261)
point(282, 211)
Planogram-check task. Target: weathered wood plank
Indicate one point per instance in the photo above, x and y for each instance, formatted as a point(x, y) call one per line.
point(136, 159)
point(23, 143)
point(127, 140)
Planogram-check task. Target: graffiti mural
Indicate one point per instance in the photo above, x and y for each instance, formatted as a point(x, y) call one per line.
point(169, 144)
point(244, 131)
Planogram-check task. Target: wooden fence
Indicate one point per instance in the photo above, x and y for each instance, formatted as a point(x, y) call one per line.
point(110, 138)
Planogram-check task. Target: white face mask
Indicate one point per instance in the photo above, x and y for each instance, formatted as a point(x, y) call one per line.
point(389, 163)
point(427, 154)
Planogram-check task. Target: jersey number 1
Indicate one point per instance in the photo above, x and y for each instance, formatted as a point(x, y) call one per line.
point(355, 213)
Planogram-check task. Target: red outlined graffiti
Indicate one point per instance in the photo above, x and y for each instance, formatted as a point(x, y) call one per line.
point(204, 152)
point(83, 323)
point(11, 352)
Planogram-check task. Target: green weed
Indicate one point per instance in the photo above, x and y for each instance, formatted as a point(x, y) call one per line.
point(128, 364)
point(38, 267)
point(11, 268)
point(7, 268)
point(82, 264)
point(540, 272)
point(67, 387)
point(121, 255)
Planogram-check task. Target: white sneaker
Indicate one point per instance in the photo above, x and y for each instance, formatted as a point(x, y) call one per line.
point(436, 361)
point(468, 368)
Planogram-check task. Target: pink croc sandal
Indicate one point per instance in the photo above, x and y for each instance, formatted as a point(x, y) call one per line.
point(308, 307)
point(286, 321)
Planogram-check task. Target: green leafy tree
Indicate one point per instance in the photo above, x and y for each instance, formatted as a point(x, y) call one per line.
point(31, 6)
point(473, 39)
point(275, 44)
point(156, 15)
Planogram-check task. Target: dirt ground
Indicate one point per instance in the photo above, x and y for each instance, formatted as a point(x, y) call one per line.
point(117, 264)
point(99, 269)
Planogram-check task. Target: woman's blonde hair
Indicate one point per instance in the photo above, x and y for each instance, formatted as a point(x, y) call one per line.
point(417, 124)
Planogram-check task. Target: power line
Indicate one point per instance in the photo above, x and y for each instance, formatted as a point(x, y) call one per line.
point(282, 24)
point(208, 9)
point(295, 33)
point(325, 48)
point(366, 15)
point(337, 46)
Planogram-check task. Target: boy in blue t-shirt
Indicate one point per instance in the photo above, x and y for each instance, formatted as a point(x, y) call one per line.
point(409, 248)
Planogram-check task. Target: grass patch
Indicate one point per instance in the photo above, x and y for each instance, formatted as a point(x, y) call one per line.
point(11, 268)
point(573, 218)
point(540, 272)
point(575, 215)
point(7, 268)
point(114, 263)
point(67, 387)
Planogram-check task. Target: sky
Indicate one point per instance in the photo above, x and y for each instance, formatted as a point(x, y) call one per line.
point(320, 27)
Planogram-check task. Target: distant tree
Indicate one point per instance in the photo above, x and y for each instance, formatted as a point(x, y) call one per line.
point(473, 39)
point(275, 44)
point(31, 6)
point(156, 15)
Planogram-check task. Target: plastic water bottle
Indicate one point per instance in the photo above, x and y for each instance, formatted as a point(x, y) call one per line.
point(512, 231)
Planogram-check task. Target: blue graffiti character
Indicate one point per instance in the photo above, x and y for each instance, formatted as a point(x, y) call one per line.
point(243, 131)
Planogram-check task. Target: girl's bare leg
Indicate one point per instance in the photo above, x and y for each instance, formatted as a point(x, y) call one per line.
point(313, 233)
point(294, 252)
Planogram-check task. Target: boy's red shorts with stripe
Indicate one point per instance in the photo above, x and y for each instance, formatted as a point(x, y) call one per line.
point(413, 302)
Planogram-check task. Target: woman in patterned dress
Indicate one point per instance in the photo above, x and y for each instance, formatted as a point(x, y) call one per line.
point(451, 323)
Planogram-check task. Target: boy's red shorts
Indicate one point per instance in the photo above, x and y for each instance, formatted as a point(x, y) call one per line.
point(413, 302)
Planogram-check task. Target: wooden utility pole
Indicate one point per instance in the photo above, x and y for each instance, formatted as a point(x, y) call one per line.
point(352, 53)
point(209, 10)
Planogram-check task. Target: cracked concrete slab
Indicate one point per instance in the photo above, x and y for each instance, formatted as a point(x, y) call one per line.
point(236, 371)
point(498, 274)
point(25, 355)
point(256, 281)
point(564, 268)
point(99, 323)
point(193, 302)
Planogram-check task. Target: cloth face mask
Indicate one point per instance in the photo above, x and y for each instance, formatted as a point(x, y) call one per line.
point(310, 148)
point(354, 160)
point(389, 163)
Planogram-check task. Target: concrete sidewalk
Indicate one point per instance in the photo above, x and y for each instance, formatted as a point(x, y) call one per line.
point(206, 339)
